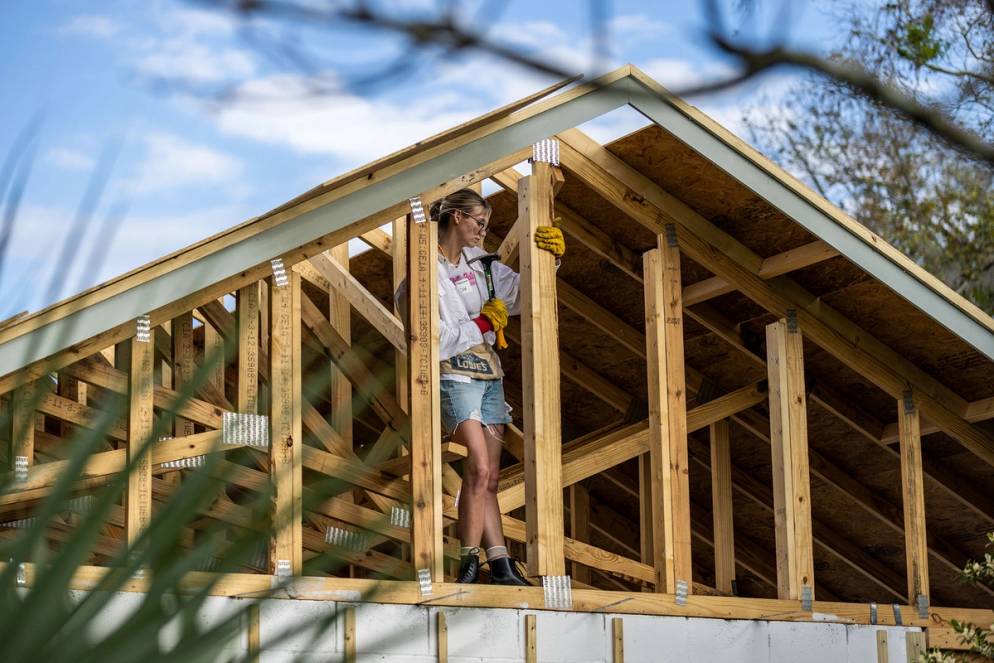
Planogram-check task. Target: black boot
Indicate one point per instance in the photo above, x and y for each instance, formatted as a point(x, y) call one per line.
point(504, 571)
point(469, 567)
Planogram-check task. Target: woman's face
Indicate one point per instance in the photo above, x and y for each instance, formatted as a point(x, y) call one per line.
point(471, 226)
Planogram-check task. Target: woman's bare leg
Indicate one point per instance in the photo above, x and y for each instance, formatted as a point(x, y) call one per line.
point(493, 531)
point(475, 481)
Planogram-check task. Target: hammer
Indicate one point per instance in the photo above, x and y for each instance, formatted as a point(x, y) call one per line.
point(486, 260)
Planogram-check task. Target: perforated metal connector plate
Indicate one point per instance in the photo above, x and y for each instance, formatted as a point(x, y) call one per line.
point(245, 429)
point(283, 568)
point(23, 523)
point(22, 575)
point(184, 463)
point(681, 592)
point(922, 603)
point(400, 517)
point(792, 321)
point(897, 614)
point(417, 210)
point(558, 592)
point(20, 469)
point(346, 538)
point(280, 278)
point(671, 237)
point(81, 505)
point(211, 564)
point(143, 329)
point(873, 612)
point(807, 598)
point(424, 582)
point(547, 151)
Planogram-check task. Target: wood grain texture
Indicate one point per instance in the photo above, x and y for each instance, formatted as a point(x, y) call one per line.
point(789, 439)
point(286, 423)
point(913, 496)
point(721, 509)
point(423, 376)
point(340, 317)
point(183, 364)
point(247, 309)
point(531, 639)
point(667, 417)
point(22, 439)
point(540, 378)
point(140, 401)
point(579, 529)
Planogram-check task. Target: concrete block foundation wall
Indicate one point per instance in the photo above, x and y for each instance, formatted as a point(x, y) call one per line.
point(408, 634)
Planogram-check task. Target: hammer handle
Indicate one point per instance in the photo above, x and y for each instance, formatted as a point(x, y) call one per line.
point(490, 281)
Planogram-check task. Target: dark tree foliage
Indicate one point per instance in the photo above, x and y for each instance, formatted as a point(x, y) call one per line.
point(932, 201)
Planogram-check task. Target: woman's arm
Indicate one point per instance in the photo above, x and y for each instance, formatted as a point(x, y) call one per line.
point(507, 284)
point(454, 338)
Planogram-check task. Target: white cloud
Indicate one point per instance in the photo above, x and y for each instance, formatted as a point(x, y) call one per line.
point(758, 99)
point(278, 110)
point(193, 46)
point(135, 241)
point(190, 62)
point(534, 34)
point(189, 22)
point(68, 158)
point(169, 162)
point(678, 74)
point(627, 27)
point(614, 125)
point(91, 25)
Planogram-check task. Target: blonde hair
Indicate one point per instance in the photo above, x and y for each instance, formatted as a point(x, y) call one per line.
point(462, 200)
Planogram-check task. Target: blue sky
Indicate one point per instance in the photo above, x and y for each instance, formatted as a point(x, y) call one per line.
point(102, 77)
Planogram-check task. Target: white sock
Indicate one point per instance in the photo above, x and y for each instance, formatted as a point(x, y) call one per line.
point(497, 552)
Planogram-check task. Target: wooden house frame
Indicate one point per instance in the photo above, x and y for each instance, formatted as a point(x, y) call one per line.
point(289, 274)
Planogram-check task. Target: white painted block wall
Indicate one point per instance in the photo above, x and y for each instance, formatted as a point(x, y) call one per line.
point(407, 634)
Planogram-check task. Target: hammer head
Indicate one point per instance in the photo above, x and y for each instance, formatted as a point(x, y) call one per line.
point(486, 259)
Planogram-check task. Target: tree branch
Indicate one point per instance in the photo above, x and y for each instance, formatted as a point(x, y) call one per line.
point(758, 61)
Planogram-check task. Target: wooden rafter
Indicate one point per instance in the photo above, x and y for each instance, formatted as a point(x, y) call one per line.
point(826, 537)
point(862, 422)
point(213, 291)
point(782, 263)
point(732, 261)
point(99, 374)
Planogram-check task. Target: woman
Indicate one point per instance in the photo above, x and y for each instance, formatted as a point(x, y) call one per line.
point(472, 393)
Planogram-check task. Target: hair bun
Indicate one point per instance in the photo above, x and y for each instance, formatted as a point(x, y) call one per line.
point(434, 209)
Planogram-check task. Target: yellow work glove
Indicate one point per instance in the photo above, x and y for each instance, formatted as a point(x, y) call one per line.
point(495, 310)
point(550, 238)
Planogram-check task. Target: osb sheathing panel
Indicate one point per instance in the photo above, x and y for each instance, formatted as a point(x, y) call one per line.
point(753, 222)
point(700, 184)
point(927, 344)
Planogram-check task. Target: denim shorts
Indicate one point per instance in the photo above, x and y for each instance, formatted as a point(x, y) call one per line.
point(481, 400)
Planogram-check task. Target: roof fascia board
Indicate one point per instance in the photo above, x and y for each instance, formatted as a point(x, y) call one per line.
point(660, 110)
point(309, 226)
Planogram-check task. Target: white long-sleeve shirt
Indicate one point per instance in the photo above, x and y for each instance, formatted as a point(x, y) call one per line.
point(462, 290)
